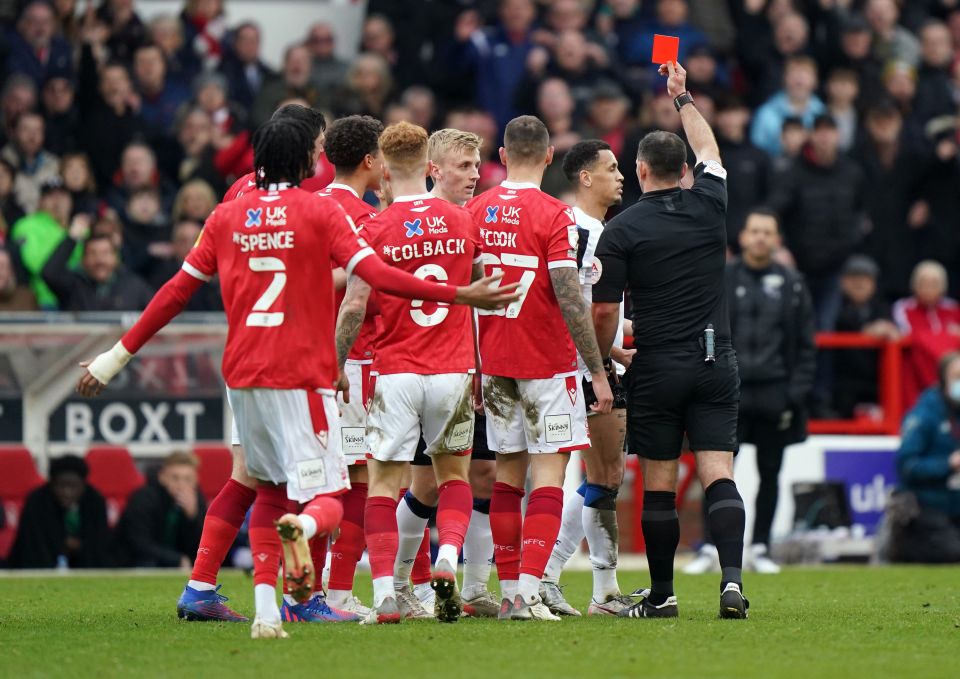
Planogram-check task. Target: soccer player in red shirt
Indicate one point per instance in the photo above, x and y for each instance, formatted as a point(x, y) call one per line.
point(311, 117)
point(201, 599)
point(279, 362)
point(454, 160)
point(353, 146)
point(424, 363)
point(532, 394)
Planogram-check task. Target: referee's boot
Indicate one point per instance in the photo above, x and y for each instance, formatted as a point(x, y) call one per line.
point(645, 609)
point(733, 605)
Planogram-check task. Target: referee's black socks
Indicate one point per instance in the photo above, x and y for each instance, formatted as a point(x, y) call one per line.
point(727, 520)
point(661, 532)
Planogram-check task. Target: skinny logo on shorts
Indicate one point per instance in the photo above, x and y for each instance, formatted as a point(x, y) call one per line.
point(353, 440)
point(459, 436)
point(311, 474)
point(559, 428)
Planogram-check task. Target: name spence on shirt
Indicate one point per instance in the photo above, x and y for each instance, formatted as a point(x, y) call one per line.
point(277, 240)
point(428, 248)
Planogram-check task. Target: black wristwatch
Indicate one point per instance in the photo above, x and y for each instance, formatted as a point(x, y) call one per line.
point(682, 100)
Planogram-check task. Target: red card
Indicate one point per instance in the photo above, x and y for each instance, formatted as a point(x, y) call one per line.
point(665, 48)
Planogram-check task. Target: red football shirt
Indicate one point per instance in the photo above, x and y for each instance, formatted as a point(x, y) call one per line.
point(525, 233)
point(246, 184)
point(360, 212)
point(432, 239)
point(273, 251)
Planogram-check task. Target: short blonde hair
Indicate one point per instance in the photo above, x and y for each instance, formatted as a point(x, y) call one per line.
point(404, 148)
point(449, 139)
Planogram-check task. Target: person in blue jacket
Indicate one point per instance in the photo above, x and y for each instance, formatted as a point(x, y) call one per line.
point(928, 463)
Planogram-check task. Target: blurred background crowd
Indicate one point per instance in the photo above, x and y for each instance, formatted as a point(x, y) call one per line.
point(118, 135)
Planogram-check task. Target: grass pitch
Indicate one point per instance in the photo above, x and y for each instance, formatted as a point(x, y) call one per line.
point(811, 623)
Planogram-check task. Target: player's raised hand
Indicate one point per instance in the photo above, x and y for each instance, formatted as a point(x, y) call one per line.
point(676, 78)
point(88, 386)
point(485, 293)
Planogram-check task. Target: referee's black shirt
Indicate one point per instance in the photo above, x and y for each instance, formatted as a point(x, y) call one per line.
point(669, 249)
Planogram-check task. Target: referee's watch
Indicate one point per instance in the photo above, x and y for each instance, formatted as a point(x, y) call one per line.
point(682, 100)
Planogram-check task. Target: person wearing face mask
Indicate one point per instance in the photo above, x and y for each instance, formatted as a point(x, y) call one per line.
point(926, 527)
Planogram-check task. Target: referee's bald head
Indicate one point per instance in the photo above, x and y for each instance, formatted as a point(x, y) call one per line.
point(661, 156)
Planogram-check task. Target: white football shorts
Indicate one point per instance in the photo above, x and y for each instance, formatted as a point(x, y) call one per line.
point(292, 436)
point(404, 404)
point(536, 415)
point(353, 415)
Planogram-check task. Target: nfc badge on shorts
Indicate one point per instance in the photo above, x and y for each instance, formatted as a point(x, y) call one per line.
point(353, 439)
point(311, 474)
point(460, 436)
point(559, 428)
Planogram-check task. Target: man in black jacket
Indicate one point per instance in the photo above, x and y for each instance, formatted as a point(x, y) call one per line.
point(64, 522)
point(160, 528)
point(102, 284)
point(771, 319)
point(821, 199)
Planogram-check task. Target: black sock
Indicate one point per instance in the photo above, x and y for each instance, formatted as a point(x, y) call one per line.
point(727, 522)
point(661, 532)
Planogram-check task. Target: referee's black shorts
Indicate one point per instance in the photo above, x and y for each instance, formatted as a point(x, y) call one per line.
point(480, 449)
point(672, 391)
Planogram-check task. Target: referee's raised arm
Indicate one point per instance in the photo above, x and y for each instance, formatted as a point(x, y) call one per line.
point(699, 135)
point(669, 249)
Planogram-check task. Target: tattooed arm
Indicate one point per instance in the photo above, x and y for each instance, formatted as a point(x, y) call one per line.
point(566, 287)
point(352, 312)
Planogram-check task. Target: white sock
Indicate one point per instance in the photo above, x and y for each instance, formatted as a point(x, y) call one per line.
point(509, 589)
point(200, 586)
point(477, 554)
point(309, 526)
point(338, 597)
point(424, 592)
point(410, 531)
point(569, 539)
point(382, 588)
point(529, 587)
point(265, 601)
point(603, 538)
point(448, 553)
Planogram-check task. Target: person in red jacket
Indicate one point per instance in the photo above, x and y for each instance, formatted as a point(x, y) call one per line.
point(932, 321)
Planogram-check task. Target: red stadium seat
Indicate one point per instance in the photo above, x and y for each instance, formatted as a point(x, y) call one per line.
point(216, 463)
point(113, 473)
point(18, 477)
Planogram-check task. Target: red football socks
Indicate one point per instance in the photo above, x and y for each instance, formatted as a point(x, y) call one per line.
point(421, 566)
point(380, 529)
point(506, 525)
point(541, 525)
point(453, 513)
point(271, 503)
point(347, 550)
point(224, 517)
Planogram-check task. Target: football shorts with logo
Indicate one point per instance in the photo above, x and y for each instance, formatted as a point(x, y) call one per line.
point(536, 415)
point(353, 415)
point(291, 436)
point(405, 403)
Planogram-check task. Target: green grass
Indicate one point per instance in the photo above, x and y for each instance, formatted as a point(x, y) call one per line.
point(811, 623)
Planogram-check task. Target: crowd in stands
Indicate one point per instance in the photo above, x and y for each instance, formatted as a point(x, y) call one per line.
point(65, 522)
point(118, 135)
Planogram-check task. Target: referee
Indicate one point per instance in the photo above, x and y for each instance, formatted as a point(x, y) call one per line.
point(669, 250)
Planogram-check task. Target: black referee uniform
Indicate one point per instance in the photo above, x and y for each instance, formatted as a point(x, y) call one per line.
point(669, 249)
